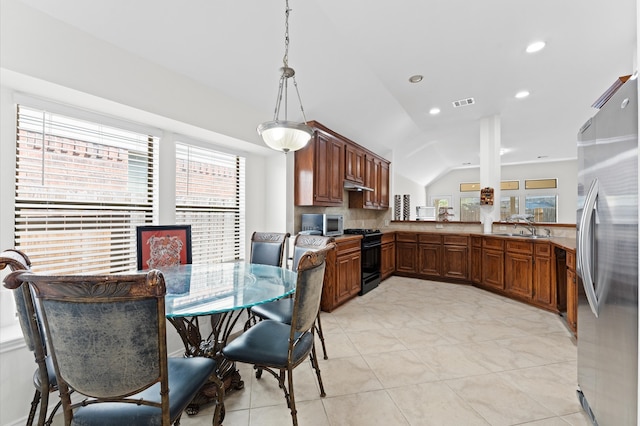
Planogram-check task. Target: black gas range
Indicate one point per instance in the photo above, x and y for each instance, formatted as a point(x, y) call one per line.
point(370, 246)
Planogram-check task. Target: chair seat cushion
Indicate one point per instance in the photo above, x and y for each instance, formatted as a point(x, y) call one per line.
point(267, 344)
point(278, 310)
point(186, 377)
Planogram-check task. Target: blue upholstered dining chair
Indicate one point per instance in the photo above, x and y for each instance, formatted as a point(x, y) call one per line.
point(107, 337)
point(281, 310)
point(267, 248)
point(278, 348)
point(44, 378)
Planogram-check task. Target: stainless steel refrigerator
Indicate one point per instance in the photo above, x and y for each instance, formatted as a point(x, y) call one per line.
point(607, 260)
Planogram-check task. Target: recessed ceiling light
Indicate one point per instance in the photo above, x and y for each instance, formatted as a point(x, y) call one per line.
point(522, 94)
point(535, 46)
point(415, 78)
point(434, 111)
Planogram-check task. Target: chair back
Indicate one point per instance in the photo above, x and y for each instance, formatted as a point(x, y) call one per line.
point(164, 245)
point(306, 302)
point(28, 318)
point(106, 333)
point(267, 248)
point(304, 243)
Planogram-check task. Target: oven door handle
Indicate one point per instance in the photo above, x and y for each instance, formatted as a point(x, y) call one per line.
point(371, 245)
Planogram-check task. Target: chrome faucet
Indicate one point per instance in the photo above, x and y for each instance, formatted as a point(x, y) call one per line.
point(523, 220)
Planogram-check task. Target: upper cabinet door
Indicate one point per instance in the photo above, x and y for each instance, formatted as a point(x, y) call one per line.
point(319, 172)
point(353, 163)
point(329, 170)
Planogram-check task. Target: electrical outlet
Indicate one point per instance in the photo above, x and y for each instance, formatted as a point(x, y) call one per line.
point(439, 226)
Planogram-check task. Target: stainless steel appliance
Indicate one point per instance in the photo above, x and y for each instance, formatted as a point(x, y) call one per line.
point(425, 213)
point(329, 225)
point(607, 261)
point(371, 252)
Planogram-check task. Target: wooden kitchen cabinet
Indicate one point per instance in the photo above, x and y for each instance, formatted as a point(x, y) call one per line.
point(376, 176)
point(406, 253)
point(329, 159)
point(430, 255)
point(319, 170)
point(383, 185)
point(518, 268)
point(572, 292)
point(353, 163)
point(476, 260)
point(455, 257)
point(343, 275)
point(544, 289)
point(388, 255)
point(493, 263)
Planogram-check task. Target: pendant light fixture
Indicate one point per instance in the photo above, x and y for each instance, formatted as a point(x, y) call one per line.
point(284, 135)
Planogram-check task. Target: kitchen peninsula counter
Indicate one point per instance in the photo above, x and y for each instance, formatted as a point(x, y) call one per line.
point(536, 271)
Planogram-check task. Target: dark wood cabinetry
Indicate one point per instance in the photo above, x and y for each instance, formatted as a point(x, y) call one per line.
point(493, 263)
point(382, 189)
point(518, 268)
point(476, 260)
point(544, 290)
point(343, 275)
point(455, 257)
point(388, 255)
point(430, 255)
point(329, 159)
point(376, 176)
point(319, 171)
point(354, 163)
point(406, 253)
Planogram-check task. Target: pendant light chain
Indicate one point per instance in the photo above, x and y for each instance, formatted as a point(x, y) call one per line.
point(284, 135)
point(285, 59)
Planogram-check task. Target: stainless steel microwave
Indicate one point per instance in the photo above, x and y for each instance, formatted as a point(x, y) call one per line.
point(329, 225)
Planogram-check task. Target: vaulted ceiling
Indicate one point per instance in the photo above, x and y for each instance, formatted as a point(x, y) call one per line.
point(353, 60)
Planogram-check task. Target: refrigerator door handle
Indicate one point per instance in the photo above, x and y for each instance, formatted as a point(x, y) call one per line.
point(585, 248)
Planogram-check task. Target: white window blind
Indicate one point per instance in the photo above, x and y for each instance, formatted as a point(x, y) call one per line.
point(81, 189)
point(210, 196)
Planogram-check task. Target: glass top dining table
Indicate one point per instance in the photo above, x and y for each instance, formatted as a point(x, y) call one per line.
point(213, 288)
point(205, 301)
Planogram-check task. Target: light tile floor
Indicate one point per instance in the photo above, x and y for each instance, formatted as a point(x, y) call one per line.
point(417, 352)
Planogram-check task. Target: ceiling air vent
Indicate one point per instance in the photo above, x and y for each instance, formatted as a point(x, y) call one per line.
point(463, 102)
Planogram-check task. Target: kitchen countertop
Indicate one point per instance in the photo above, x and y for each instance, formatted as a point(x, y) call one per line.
point(565, 243)
point(347, 237)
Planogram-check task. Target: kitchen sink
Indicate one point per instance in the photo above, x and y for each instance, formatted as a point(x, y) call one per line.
point(506, 234)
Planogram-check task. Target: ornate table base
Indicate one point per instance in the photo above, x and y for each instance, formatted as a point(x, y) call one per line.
point(189, 329)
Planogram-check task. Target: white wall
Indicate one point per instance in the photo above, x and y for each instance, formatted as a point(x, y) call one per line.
point(565, 171)
point(42, 57)
point(401, 186)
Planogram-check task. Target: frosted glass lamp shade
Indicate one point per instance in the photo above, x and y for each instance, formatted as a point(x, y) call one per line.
point(285, 135)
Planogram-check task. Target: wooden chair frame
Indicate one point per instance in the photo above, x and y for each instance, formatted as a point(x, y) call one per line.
point(88, 368)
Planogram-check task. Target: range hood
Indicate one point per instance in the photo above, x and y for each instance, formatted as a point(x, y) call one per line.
point(352, 186)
